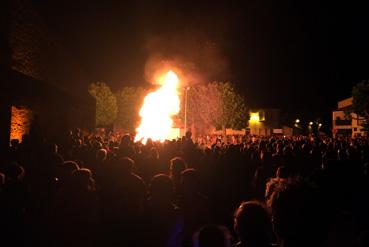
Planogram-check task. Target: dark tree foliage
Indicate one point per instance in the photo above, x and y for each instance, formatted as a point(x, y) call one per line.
point(130, 100)
point(216, 104)
point(106, 104)
point(360, 104)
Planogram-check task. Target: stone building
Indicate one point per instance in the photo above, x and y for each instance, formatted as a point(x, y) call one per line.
point(37, 76)
point(266, 122)
point(345, 122)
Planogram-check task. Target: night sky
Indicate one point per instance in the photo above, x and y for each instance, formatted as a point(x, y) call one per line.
point(288, 54)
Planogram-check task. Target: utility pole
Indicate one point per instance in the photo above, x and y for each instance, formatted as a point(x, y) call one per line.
point(185, 110)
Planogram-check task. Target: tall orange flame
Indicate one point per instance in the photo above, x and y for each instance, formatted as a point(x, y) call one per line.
point(157, 110)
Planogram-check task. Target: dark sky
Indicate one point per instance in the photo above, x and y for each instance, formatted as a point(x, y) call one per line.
point(298, 56)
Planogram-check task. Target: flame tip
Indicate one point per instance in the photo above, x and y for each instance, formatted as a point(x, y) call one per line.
point(158, 108)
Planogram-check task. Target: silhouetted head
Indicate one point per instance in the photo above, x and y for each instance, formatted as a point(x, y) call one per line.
point(67, 169)
point(81, 180)
point(70, 166)
point(282, 172)
point(51, 148)
point(15, 172)
point(101, 154)
point(252, 223)
point(177, 165)
point(212, 236)
point(149, 143)
point(77, 142)
point(189, 179)
point(121, 166)
point(153, 153)
point(299, 215)
point(126, 140)
point(188, 134)
point(97, 145)
point(14, 143)
point(2, 179)
point(266, 157)
point(287, 150)
point(161, 187)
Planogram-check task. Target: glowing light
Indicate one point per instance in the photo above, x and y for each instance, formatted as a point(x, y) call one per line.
point(311, 123)
point(254, 117)
point(158, 109)
point(20, 122)
point(320, 125)
point(297, 121)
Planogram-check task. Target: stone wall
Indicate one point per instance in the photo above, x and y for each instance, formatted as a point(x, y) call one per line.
point(37, 73)
point(37, 52)
point(21, 118)
point(4, 31)
point(26, 39)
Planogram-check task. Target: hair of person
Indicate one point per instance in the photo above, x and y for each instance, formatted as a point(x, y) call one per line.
point(161, 185)
point(177, 165)
point(252, 222)
point(2, 179)
point(212, 236)
point(121, 166)
point(101, 154)
point(16, 172)
point(299, 213)
point(82, 179)
point(70, 165)
point(282, 172)
point(189, 177)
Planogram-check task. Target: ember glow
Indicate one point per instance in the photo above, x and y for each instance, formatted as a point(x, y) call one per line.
point(157, 110)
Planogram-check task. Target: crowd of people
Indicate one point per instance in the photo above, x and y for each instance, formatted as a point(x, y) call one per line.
point(102, 189)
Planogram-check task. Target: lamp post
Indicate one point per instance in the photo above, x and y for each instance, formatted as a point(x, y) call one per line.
point(185, 110)
point(297, 121)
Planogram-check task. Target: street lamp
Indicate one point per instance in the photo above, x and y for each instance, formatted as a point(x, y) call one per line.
point(297, 121)
point(185, 110)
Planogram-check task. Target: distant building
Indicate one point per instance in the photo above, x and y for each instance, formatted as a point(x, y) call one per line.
point(266, 122)
point(345, 122)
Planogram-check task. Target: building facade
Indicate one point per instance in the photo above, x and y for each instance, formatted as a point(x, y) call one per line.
point(36, 78)
point(266, 122)
point(345, 122)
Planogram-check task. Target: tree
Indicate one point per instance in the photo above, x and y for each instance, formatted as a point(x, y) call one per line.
point(130, 100)
point(203, 106)
point(233, 111)
point(216, 105)
point(106, 103)
point(360, 103)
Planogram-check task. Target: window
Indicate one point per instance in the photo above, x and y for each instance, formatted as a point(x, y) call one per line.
point(343, 122)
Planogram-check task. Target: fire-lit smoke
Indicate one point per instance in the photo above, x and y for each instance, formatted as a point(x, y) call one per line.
point(157, 110)
point(195, 57)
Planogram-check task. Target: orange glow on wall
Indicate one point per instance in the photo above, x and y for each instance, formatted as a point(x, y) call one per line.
point(20, 122)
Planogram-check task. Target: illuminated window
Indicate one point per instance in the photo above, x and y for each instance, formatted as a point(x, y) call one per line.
point(254, 117)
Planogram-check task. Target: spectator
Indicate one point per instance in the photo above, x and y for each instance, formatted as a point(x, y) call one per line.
point(194, 205)
point(252, 225)
point(212, 236)
point(177, 165)
point(300, 215)
point(161, 211)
